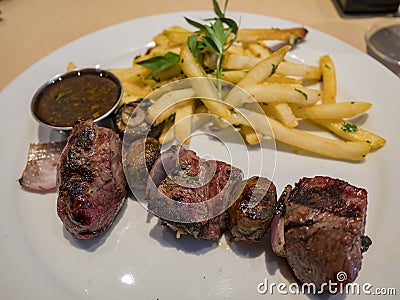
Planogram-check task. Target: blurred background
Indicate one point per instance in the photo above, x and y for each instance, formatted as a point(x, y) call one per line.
point(29, 30)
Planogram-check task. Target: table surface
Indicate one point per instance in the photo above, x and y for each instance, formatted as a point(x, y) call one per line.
point(29, 30)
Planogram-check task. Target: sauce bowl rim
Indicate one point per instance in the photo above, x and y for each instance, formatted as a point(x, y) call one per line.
point(76, 73)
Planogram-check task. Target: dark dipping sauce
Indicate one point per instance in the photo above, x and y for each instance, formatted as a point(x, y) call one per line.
point(78, 95)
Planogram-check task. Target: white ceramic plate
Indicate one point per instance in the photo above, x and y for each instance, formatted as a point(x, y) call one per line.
point(136, 258)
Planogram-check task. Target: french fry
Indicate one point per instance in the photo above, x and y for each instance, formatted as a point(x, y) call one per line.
point(328, 79)
point(130, 74)
point(250, 135)
point(203, 88)
point(183, 120)
point(275, 78)
point(161, 40)
point(257, 74)
point(136, 90)
point(262, 34)
point(331, 111)
point(177, 35)
point(167, 104)
point(337, 149)
point(275, 92)
point(236, 75)
point(265, 68)
point(233, 76)
point(278, 86)
point(235, 49)
point(282, 112)
point(237, 62)
point(258, 49)
point(126, 98)
point(351, 132)
point(288, 68)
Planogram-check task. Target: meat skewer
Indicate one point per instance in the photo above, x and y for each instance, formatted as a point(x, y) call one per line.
point(318, 225)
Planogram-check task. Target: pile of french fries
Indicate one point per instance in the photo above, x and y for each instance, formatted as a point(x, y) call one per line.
point(280, 87)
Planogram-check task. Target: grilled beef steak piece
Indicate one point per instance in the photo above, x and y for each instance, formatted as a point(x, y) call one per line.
point(90, 180)
point(251, 214)
point(138, 160)
point(320, 229)
point(204, 188)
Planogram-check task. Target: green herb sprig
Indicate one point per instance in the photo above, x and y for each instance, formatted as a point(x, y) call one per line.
point(159, 63)
point(218, 36)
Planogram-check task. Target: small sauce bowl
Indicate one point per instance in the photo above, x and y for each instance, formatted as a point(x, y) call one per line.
point(83, 94)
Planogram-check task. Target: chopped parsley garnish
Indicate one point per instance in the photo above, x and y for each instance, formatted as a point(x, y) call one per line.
point(348, 127)
point(301, 92)
point(274, 66)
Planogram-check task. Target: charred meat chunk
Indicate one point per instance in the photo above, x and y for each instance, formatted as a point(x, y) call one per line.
point(138, 160)
point(251, 214)
point(90, 180)
point(129, 121)
point(192, 194)
point(320, 230)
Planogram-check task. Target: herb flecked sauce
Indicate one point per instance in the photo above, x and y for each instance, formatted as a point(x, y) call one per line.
point(76, 98)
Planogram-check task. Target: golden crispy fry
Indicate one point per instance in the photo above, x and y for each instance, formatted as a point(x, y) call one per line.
point(162, 40)
point(236, 75)
point(258, 49)
point(250, 136)
point(328, 80)
point(275, 92)
point(261, 71)
point(126, 98)
point(177, 35)
point(202, 87)
point(275, 78)
point(287, 68)
point(277, 85)
point(183, 121)
point(135, 90)
point(132, 74)
point(237, 62)
point(331, 111)
point(232, 76)
point(167, 104)
point(265, 68)
point(291, 35)
point(282, 112)
point(235, 49)
point(337, 149)
point(351, 132)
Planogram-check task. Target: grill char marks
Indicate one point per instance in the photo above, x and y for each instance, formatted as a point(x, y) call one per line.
point(90, 180)
point(251, 214)
point(324, 221)
point(192, 180)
